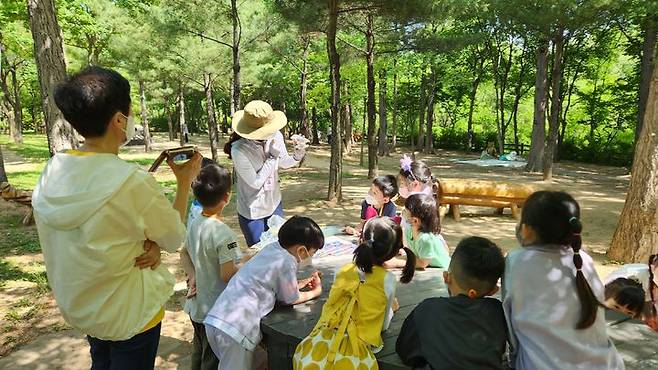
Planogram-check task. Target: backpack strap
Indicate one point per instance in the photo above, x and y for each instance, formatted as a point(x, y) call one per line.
point(335, 342)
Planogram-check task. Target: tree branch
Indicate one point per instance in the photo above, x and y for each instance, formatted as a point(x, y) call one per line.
point(347, 10)
point(206, 37)
point(284, 56)
point(351, 45)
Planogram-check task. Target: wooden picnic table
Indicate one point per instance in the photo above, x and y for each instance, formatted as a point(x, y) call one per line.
point(285, 327)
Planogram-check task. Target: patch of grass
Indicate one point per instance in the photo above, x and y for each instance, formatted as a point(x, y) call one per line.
point(141, 161)
point(9, 271)
point(16, 239)
point(25, 180)
point(33, 149)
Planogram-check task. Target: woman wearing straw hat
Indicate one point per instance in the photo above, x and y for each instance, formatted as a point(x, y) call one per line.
point(258, 151)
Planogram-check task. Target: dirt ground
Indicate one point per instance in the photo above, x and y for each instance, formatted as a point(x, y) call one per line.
point(600, 190)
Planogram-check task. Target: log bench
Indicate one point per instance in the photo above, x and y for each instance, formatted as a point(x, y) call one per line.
point(11, 194)
point(481, 193)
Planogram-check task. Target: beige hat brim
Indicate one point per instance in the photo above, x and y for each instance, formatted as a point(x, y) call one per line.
point(277, 121)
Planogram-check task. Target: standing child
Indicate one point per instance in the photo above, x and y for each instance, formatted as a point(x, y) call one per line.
point(423, 233)
point(209, 257)
point(471, 332)
point(378, 202)
point(360, 305)
point(552, 293)
point(632, 290)
point(233, 323)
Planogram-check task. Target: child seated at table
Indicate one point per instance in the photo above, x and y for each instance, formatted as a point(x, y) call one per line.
point(360, 305)
point(466, 330)
point(415, 177)
point(632, 290)
point(552, 293)
point(423, 235)
point(233, 323)
point(378, 202)
point(209, 257)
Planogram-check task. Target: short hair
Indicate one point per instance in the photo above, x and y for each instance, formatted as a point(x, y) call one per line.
point(388, 185)
point(90, 98)
point(626, 292)
point(211, 185)
point(477, 263)
point(300, 230)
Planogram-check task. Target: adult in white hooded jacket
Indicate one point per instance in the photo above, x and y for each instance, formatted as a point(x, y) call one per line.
point(102, 222)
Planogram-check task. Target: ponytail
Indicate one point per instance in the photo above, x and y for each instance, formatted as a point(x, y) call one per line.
point(409, 267)
point(652, 285)
point(227, 147)
point(589, 304)
point(363, 256)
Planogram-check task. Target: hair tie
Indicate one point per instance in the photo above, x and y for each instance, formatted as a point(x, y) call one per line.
point(573, 220)
point(576, 234)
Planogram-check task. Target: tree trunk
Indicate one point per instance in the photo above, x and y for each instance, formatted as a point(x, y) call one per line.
point(17, 133)
point(635, 238)
point(372, 118)
point(335, 168)
point(3, 172)
point(383, 124)
point(314, 126)
point(471, 109)
point(145, 119)
point(539, 123)
point(394, 141)
point(648, 55)
point(363, 130)
point(210, 111)
point(237, 34)
point(225, 121)
point(421, 118)
point(51, 68)
point(303, 120)
point(346, 121)
point(181, 116)
point(429, 141)
point(170, 121)
point(554, 122)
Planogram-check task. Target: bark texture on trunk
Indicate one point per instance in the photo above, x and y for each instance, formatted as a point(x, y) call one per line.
point(335, 167)
point(635, 237)
point(51, 68)
point(554, 122)
point(372, 114)
point(210, 112)
point(538, 137)
point(145, 119)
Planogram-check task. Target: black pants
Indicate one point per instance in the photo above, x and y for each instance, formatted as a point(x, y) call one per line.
point(203, 358)
point(136, 353)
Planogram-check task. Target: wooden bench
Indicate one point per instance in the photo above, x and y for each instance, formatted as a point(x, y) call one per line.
point(481, 193)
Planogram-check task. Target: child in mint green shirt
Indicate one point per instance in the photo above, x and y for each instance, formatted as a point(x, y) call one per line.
point(422, 233)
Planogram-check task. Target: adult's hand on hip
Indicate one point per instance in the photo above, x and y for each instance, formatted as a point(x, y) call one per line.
point(186, 172)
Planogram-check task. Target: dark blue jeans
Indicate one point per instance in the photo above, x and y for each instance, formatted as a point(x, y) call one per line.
point(252, 229)
point(136, 353)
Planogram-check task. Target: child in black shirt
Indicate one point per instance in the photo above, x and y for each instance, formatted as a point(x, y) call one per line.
point(466, 330)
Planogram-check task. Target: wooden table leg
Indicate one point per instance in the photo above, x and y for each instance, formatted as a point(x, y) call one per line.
point(515, 211)
point(454, 209)
point(499, 211)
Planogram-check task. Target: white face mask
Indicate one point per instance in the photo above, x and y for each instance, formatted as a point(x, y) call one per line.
point(130, 129)
point(305, 262)
point(370, 199)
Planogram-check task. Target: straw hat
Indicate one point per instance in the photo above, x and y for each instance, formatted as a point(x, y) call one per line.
point(257, 121)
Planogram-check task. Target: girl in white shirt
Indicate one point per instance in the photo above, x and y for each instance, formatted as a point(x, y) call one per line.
point(551, 292)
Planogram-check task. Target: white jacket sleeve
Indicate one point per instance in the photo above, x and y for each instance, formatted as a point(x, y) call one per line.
point(243, 168)
point(285, 160)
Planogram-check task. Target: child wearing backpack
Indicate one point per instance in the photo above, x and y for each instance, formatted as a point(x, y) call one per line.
point(552, 294)
point(423, 234)
point(470, 332)
point(360, 305)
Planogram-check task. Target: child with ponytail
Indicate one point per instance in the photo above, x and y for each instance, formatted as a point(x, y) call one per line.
point(360, 305)
point(552, 294)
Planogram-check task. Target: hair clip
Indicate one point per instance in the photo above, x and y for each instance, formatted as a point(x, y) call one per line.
point(405, 165)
